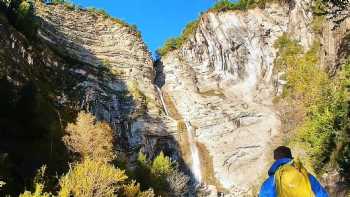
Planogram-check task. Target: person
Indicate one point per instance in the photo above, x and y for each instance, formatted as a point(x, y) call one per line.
point(288, 178)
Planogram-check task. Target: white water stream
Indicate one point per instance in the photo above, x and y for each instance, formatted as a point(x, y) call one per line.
point(196, 164)
point(162, 100)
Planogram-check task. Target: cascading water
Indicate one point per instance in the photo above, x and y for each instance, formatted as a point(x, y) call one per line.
point(196, 164)
point(162, 100)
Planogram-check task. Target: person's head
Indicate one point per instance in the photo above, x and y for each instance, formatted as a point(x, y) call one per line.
point(282, 152)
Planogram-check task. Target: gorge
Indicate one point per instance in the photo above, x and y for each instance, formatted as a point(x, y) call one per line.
point(216, 105)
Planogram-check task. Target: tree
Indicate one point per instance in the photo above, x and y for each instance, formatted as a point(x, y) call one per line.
point(90, 139)
point(161, 165)
point(162, 175)
point(92, 179)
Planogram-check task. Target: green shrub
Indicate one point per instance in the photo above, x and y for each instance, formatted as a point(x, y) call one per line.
point(59, 1)
point(175, 43)
point(21, 14)
point(225, 5)
point(323, 99)
point(221, 6)
point(26, 21)
point(162, 175)
point(161, 165)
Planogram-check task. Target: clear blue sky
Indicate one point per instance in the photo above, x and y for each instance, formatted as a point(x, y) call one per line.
point(157, 20)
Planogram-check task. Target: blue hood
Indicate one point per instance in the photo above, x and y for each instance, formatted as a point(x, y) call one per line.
point(278, 164)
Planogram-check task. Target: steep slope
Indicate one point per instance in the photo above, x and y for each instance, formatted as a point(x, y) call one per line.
point(116, 50)
point(222, 82)
point(79, 60)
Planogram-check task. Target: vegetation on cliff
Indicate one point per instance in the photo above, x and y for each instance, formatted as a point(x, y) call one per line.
point(338, 10)
point(323, 101)
point(221, 6)
point(175, 43)
point(93, 172)
point(21, 13)
point(70, 6)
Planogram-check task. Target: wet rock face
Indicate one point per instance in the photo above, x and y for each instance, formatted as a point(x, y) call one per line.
point(221, 82)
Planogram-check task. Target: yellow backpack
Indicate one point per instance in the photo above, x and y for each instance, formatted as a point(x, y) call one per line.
point(292, 180)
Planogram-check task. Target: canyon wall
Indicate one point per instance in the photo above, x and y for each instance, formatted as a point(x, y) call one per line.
point(222, 82)
point(85, 60)
point(215, 105)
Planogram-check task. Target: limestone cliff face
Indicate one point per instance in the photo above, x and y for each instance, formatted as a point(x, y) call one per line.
point(123, 94)
point(221, 81)
point(217, 88)
point(95, 63)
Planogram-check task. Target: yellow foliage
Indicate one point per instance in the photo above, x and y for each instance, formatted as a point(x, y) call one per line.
point(89, 138)
point(161, 165)
point(92, 179)
point(37, 193)
point(307, 82)
point(133, 190)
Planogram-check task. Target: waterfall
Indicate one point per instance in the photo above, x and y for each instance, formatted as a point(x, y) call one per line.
point(162, 100)
point(196, 163)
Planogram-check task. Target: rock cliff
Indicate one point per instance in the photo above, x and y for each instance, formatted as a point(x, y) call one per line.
point(122, 90)
point(214, 108)
point(222, 82)
point(84, 60)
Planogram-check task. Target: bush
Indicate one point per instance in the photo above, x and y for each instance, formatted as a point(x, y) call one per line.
point(162, 175)
point(39, 184)
point(323, 99)
point(97, 178)
point(175, 43)
point(21, 13)
point(161, 166)
point(221, 6)
point(177, 182)
point(89, 138)
point(225, 5)
point(92, 178)
point(37, 193)
point(133, 190)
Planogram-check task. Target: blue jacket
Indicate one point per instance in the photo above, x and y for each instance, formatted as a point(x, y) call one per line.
point(268, 189)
